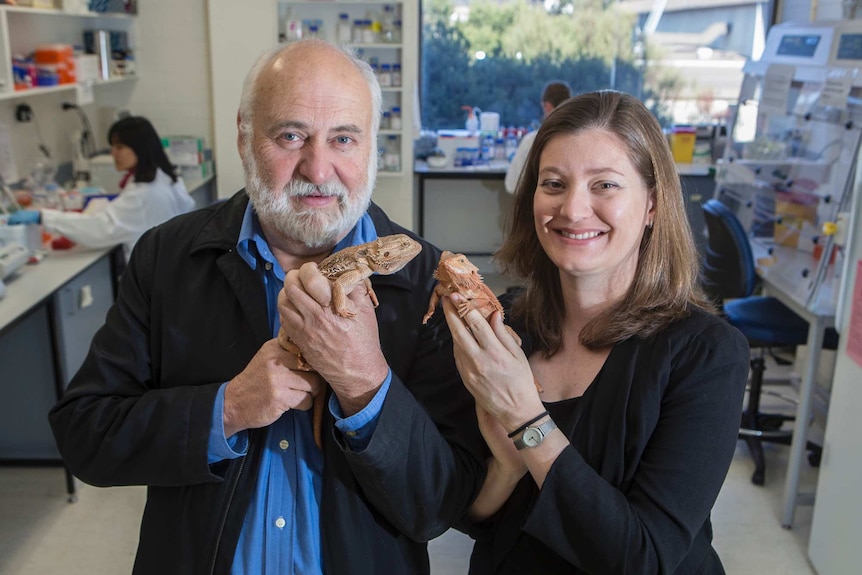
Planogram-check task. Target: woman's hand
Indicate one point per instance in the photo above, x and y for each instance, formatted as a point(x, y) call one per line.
point(505, 468)
point(493, 366)
point(506, 457)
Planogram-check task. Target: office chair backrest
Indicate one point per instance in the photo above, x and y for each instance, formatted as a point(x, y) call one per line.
point(728, 268)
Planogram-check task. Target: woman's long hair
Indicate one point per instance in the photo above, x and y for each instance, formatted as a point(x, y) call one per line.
point(666, 278)
point(138, 134)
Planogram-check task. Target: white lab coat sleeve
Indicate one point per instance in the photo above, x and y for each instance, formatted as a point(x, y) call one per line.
point(518, 161)
point(120, 222)
point(138, 208)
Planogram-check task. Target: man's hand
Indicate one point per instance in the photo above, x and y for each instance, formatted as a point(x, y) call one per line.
point(344, 351)
point(265, 389)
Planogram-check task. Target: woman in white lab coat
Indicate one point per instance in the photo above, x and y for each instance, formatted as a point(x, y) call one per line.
point(150, 193)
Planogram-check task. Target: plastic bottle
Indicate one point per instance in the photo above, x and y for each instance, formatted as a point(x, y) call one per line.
point(357, 31)
point(395, 118)
point(385, 77)
point(396, 75)
point(387, 24)
point(372, 20)
point(511, 144)
point(461, 158)
point(292, 27)
point(488, 149)
point(392, 156)
point(472, 124)
point(381, 154)
point(343, 29)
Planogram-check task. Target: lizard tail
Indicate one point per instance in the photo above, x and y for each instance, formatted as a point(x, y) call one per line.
point(317, 421)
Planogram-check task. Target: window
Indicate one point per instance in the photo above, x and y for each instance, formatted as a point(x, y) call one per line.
point(685, 61)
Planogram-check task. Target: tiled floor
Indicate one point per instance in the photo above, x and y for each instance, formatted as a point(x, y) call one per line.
point(41, 533)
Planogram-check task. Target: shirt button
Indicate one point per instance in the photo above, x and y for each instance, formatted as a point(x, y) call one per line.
point(280, 522)
point(284, 444)
point(268, 266)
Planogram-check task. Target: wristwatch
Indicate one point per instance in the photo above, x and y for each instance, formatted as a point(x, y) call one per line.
point(533, 436)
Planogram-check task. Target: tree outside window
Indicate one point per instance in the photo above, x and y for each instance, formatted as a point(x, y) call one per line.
point(498, 54)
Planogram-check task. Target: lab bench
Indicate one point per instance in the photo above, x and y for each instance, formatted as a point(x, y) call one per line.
point(202, 190)
point(463, 209)
point(48, 316)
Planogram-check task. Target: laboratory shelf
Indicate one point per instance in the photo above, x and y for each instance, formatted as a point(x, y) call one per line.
point(50, 12)
point(40, 91)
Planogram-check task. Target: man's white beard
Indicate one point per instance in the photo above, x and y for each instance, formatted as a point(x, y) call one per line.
point(313, 227)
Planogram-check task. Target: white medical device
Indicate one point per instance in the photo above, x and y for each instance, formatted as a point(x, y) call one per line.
point(12, 256)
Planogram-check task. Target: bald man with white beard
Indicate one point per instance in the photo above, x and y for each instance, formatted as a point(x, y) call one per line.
point(187, 391)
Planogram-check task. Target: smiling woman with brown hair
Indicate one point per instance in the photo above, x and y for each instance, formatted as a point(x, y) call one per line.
point(615, 465)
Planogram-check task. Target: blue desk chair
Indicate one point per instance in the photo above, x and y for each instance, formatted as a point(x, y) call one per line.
point(730, 279)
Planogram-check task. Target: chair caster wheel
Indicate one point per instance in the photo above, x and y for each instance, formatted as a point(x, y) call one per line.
point(73, 498)
point(758, 478)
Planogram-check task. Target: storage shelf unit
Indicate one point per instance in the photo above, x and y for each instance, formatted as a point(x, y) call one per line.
point(22, 29)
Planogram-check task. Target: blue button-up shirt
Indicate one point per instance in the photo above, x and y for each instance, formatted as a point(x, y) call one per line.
point(281, 530)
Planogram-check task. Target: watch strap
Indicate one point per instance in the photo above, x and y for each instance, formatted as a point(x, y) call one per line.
point(543, 429)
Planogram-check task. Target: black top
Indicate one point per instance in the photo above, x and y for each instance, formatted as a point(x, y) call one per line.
point(652, 440)
point(189, 315)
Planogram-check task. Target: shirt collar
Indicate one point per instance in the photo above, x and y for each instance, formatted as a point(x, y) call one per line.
point(251, 234)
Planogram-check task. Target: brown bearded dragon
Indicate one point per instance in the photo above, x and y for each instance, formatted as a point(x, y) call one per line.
point(456, 274)
point(346, 269)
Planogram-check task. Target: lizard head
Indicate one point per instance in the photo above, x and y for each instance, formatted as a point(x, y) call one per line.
point(456, 267)
point(389, 254)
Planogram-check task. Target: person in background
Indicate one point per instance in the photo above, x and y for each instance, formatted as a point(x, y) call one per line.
point(187, 390)
point(614, 466)
point(553, 94)
point(150, 193)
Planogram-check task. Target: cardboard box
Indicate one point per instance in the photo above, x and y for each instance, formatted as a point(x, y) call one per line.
point(199, 172)
point(184, 150)
point(87, 68)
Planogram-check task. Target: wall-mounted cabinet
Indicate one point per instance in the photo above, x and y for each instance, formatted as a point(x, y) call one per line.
point(22, 29)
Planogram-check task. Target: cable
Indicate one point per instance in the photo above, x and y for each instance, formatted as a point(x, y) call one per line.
point(88, 144)
point(42, 146)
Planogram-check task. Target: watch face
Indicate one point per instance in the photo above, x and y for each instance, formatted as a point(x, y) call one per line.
point(532, 437)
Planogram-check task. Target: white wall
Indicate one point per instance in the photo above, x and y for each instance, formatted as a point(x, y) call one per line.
point(174, 90)
point(54, 124)
point(239, 32)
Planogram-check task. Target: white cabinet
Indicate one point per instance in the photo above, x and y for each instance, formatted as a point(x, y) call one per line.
point(394, 190)
point(22, 29)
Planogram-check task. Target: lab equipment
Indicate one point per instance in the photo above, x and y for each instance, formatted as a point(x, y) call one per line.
point(490, 122)
point(12, 256)
point(472, 124)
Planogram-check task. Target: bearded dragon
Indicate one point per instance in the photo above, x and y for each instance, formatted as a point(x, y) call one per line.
point(346, 269)
point(456, 274)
